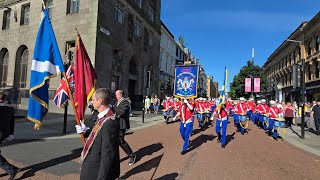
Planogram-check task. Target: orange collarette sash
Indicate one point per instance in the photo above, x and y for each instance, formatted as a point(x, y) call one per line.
point(94, 133)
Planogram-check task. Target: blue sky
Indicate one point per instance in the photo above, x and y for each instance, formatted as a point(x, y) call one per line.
point(223, 32)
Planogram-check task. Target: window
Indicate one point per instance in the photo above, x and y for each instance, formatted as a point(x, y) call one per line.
point(6, 19)
point(73, 6)
point(70, 50)
point(138, 2)
point(25, 10)
point(317, 69)
point(118, 12)
point(150, 38)
point(294, 57)
point(49, 6)
point(309, 48)
point(137, 28)
point(317, 43)
point(4, 69)
point(309, 71)
point(150, 12)
point(177, 52)
point(23, 68)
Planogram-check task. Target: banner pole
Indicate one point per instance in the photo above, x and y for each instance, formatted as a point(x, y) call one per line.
point(74, 108)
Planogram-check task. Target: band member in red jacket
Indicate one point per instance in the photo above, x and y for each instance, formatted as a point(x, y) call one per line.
point(274, 112)
point(221, 124)
point(167, 109)
point(186, 125)
point(251, 106)
point(242, 113)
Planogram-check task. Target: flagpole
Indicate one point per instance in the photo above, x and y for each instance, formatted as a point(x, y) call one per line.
point(43, 4)
point(74, 107)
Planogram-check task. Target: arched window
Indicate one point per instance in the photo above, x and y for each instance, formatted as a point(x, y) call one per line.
point(21, 66)
point(24, 68)
point(4, 59)
point(4, 72)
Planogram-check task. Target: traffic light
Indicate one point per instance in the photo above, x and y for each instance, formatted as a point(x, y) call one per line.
point(296, 76)
point(148, 84)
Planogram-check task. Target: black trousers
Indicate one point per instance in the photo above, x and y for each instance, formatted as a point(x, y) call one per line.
point(8, 168)
point(317, 124)
point(123, 144)
point(288, 121)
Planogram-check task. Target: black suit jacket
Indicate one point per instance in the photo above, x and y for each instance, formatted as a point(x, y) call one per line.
point(103, 159)
point(122, 113)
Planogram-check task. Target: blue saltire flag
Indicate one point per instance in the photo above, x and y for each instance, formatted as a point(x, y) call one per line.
point(46, 63)
point(222, 97)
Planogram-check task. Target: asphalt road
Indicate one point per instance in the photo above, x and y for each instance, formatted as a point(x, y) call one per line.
point(250, 156)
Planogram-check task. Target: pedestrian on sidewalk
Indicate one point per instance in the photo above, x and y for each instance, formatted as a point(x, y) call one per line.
point(121, 108)
point(156, 104)
point(309, 120)
point(147, 105)
point(186, 124)
point(100, 155)
point(288, 114)
point(130, 106)
point(316, 116)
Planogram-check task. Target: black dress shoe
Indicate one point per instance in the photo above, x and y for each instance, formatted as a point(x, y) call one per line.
point(219, 140)
point(15, 172)
point(183, 152)
point(223, 146)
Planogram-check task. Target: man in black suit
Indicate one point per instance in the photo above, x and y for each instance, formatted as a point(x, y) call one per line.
point(100, 155)
point(121, 108)
point(6, 133)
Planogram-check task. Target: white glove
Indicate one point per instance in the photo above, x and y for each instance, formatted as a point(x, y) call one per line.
point(174, 118)
point(10, 138)
point(81, 129)
point(186, 101)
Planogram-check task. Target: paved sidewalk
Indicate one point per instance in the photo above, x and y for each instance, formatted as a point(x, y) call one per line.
point(311, 143)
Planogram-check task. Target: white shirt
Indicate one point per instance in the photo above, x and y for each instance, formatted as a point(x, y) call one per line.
point(103, 113)
point(147, 102)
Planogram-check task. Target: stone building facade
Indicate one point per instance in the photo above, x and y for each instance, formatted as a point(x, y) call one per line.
point(303, 43)
point(122, 38)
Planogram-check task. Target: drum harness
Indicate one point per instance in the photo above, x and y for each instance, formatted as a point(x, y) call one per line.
point(247, 122)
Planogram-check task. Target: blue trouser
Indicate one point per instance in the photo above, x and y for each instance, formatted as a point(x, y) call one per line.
point(200, 119)
point(255, 118)
point(231, 112)
point(261, 121)
point(241, 127)
point(236, 121)
point(249, 114)
point(223, 128)
point(185, 131)
point(271, 126)
point(8, 168)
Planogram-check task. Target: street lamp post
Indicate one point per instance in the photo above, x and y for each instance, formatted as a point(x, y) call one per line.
point(303, 85)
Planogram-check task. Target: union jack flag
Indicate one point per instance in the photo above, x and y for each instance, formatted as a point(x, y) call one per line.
point(61, 96)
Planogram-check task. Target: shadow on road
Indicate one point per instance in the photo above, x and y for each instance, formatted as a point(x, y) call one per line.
point(200, 140)
point(31, 170)
point(204, 127)
point(147, 166)
point(230, 138)
point(148, 150)
point(168, 176)
point(20, 141)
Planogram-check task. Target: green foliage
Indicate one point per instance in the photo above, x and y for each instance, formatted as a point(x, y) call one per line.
point(237, 85)
point(181, 41)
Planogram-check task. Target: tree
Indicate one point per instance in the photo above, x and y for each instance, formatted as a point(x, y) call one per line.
point(181, 41)
point(237, 85)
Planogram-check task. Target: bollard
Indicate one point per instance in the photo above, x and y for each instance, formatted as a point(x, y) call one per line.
point(142, 115)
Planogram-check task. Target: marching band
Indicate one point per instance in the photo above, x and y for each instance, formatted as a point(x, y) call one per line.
point(269, 118)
